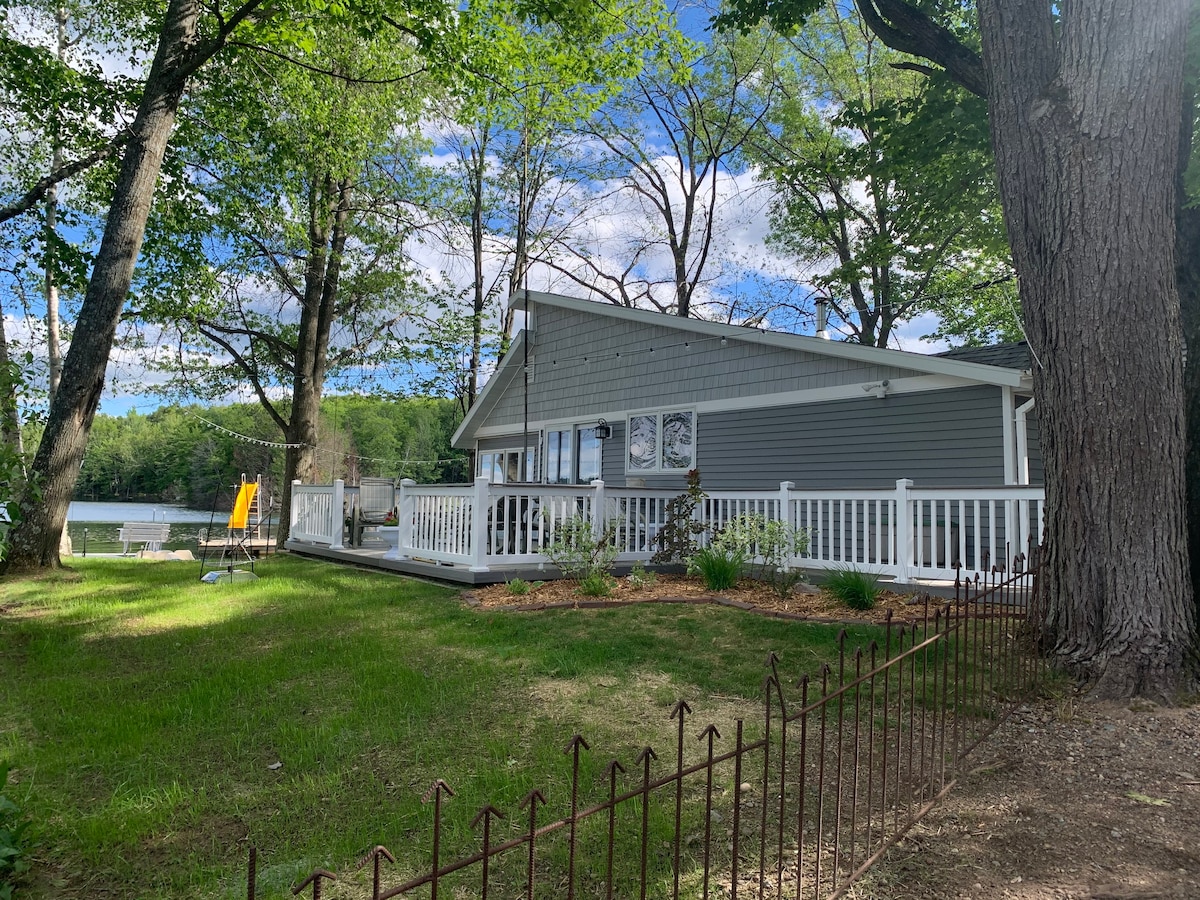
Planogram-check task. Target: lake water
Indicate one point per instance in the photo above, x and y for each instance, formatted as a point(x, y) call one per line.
point(95, 524)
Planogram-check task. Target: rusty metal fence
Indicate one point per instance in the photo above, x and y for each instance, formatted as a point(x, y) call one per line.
point(796, 803)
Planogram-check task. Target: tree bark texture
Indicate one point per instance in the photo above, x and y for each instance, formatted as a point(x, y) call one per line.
point(1187, 270)
point(60, 453)
point(1085, 118)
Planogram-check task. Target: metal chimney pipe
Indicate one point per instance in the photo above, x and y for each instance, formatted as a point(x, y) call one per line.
point(822, 318)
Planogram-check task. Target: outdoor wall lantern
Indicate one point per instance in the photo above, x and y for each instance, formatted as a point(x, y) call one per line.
point(603, 430)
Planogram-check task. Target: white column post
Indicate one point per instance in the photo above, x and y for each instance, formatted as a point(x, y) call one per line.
point(338, 512)
point(905, 543)
point(785, 513)
point(785, 501)
point(293, 513)
point(480, 513)
point(405, 514)
point(597, 508)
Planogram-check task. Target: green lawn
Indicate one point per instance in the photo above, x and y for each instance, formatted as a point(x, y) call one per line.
point(142, 712)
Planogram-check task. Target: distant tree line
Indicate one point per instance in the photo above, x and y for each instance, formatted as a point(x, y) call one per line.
point(172, 456)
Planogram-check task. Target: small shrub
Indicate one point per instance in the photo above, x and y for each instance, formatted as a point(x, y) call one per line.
point(719, 568)
point(518, 587)
point(578, 552)
point(12, 826)
point(768, 545)
point(639, 578)
point(857, 589)
point(676, 540)
point(597, 584)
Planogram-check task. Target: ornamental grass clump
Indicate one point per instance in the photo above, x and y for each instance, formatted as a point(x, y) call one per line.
point(768, 547)
point(718, 567)
point(857, 589)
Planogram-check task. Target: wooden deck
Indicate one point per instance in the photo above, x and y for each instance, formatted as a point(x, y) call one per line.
point(371, 556)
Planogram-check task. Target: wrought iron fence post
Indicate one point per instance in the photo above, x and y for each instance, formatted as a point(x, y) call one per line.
point(573, 747)
point(435, 793)
point(531, 800)
point(677, 712)
point(486, 815)
point(644, 758)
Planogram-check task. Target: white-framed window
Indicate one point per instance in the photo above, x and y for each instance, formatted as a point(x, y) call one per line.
point(504, 466)
point(572, 453)
point(661, 442)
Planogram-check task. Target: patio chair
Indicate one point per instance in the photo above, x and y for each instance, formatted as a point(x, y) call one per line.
point(376, 500)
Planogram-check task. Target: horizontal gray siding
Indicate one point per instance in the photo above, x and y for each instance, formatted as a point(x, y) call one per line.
point(564, 385)
point(950, 438)
point(513, 442)
point(937, 438)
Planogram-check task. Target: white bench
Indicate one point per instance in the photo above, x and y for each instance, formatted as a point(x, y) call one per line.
point(151, 535)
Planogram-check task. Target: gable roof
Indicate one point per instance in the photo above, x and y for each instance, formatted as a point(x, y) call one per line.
point(511, 366)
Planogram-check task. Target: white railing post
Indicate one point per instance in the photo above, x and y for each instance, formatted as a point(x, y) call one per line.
point(785, 500)
point(905, 543)
point(598, 508)
point(785, 514)
point(405, 515)
point(480, 511)
point(295, 510)
point(338, 513)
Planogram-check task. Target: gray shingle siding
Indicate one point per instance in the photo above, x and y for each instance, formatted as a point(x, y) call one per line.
point(565, 386)
point(952, 437)
point(937, 438)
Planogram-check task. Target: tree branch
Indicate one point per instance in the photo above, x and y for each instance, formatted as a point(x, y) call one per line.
point(37, 193)
point(903, 27)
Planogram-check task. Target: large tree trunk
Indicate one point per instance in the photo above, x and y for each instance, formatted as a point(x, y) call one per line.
point(56, 465)
point(1085, 117)
point(1187, 270)
point(329, 208)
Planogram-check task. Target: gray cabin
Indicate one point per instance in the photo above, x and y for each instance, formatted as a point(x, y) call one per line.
point(637, 398)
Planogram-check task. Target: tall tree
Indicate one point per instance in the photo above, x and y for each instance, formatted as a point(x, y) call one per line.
point(182, 49)
point(514, 144)
point(308, 181)
point(887, 173)
point(1084, 105)
point(667, 153)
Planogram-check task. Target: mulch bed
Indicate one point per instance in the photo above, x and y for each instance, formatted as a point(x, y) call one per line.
point(805, 603)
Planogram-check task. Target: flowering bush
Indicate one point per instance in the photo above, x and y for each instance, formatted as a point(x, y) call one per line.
point(391, 518)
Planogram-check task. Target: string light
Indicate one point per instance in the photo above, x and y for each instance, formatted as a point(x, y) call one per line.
point(277, 445)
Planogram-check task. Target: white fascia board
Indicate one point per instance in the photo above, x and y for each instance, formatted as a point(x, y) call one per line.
point(857, 391)
point(933, 365)
point(508, 369)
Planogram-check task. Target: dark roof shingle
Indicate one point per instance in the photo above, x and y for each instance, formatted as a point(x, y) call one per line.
point(1014, 355)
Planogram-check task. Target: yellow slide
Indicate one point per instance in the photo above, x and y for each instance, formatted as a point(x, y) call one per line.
point(241, 506)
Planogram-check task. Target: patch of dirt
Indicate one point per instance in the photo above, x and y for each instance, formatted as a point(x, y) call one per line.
point(1069, 800)
point(805, 602)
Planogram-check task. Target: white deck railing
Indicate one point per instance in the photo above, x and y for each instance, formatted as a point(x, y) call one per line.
point(904, 532)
